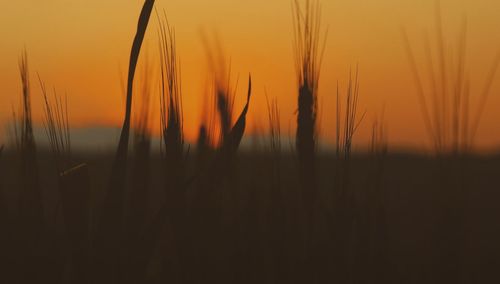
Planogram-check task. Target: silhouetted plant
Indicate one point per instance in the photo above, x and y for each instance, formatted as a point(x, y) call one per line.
point(308, 56)
point(348, 116)
point(275, 138)
point(73, 186)
point(445, 100)
point(173, 138)
point(379, 142)
point(31, 221)
point(108, 239)
point(138, 198)
point(56, 126)
point(171, 108)
point(139, 191)
point(233, 139)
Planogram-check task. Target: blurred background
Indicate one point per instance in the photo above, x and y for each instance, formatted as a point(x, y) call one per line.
point(82, 47)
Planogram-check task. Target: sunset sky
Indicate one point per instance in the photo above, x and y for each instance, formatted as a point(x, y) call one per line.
point(81, 48)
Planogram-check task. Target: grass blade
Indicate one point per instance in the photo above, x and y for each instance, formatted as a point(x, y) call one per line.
point(110, 226)
point(238, 129)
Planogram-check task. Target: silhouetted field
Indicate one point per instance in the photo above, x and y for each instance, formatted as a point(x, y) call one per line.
point(404, 219)
point(216, 213)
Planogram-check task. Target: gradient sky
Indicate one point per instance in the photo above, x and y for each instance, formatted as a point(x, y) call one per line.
point(82, 48)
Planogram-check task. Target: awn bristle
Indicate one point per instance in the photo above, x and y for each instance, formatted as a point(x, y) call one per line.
point(170, 97)
point(274, 125)
point(56, 127)
point(351, 122)
point(23, 125)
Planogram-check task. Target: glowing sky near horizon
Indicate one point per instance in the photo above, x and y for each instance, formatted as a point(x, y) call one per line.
point(82, 47)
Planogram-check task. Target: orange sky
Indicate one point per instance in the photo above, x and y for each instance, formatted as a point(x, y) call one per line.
point(82, 48)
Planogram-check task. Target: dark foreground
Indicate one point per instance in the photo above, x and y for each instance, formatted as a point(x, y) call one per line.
point(384, 219)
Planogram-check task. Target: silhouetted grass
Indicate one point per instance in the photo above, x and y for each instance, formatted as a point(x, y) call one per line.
point(30, 226)
point(173, 142)
point(233, 138)
point(446, 101)
point(229, 215)
point(109, 238)
point(215, 178)
point(347, 204)
point(349, 117)
point(347, 121)
point(171, 109)
point(73, 193)
point(379, 144)
point(140, 189)
point(452, 125)
point(275, 139)
point(56, 126)
point(307, 35)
